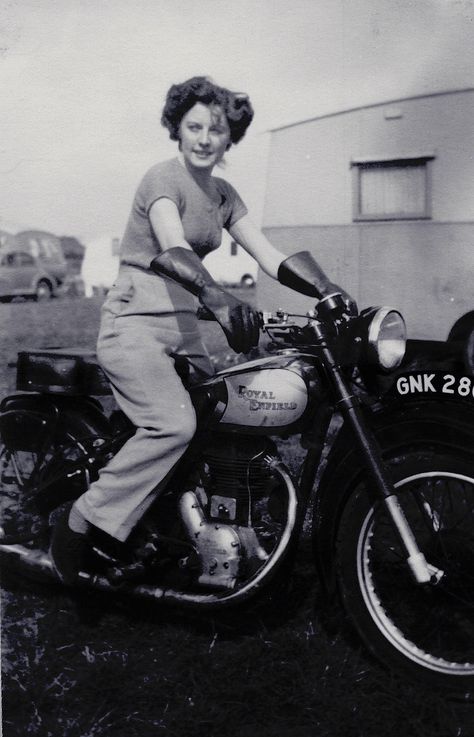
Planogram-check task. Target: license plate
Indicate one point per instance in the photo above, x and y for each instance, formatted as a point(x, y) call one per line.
point(440, 383)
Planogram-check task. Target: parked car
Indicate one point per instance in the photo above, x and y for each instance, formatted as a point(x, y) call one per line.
point(32, 265)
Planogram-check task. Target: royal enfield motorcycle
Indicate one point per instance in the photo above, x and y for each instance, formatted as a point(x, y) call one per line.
point(392, 502)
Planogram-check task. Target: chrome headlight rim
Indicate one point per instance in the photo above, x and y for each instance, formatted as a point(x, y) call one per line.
point(375, 338)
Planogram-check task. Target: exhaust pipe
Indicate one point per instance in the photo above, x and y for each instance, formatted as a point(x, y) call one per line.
point(37, 560)
point(40, 563)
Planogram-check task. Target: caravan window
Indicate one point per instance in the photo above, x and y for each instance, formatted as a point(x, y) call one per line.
point(395, 189)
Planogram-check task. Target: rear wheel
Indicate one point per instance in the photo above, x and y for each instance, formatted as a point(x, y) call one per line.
point(34, 462)
point(425, 630)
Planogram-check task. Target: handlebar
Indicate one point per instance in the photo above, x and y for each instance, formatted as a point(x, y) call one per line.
point(329, 321)
point(265, 319)
point(332, 308)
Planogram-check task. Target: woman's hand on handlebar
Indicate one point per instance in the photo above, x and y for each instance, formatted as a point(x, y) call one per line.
point(303, 274)
point(350, 303)
point(239, 321)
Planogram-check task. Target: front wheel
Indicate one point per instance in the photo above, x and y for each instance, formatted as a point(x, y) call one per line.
point(426, 631)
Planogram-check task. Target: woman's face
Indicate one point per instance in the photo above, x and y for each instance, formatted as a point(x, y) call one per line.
point(204, 135)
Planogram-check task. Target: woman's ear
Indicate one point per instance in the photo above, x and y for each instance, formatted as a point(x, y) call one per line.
point(228, 146)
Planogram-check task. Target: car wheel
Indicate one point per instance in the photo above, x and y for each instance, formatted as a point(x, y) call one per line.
point(43, 291)
point(247, 281)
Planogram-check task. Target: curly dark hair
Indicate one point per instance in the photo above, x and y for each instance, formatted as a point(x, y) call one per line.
point(182, 97)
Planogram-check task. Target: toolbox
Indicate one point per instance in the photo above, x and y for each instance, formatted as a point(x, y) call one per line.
point(61, 371)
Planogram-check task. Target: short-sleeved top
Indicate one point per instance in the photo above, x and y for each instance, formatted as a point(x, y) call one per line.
point(203, 217)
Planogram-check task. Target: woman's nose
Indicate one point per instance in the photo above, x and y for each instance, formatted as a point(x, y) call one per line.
point(203, 139)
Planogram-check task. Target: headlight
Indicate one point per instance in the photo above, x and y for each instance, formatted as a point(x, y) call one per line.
point(387, 338)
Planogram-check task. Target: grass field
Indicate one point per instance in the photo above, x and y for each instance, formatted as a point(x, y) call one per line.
point(77, 665)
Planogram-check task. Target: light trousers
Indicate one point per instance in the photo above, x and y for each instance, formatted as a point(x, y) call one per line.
point(147, 322)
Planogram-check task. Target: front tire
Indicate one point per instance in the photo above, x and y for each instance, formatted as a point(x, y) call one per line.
point(426, 631)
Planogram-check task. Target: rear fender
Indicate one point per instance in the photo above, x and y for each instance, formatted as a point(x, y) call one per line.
point(79, 416)
point(397, 427)
point(29, 421)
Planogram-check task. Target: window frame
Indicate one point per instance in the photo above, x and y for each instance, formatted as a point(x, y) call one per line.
point(17, 259)
point(363, 164)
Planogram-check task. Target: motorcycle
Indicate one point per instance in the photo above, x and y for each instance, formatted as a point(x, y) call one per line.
point(392, 514)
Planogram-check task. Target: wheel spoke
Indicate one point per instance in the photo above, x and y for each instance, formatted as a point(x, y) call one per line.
point(431, 625)
point(23, 474)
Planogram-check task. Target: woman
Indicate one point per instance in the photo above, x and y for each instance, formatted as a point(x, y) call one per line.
point(149, 317)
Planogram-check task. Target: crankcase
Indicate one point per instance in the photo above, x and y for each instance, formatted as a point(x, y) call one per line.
point(218, 546)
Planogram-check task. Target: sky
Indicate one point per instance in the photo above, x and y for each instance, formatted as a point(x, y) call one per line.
point(82, 84)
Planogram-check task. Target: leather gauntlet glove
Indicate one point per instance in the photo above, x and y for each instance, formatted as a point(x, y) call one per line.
point(303, 274)
point(238, 320)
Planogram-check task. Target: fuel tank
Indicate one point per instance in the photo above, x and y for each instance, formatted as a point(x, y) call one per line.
point(268, 395)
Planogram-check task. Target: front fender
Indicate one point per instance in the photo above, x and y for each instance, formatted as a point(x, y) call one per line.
point(397, 427)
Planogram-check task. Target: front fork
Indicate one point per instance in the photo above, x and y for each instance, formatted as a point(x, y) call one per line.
point(349, 405)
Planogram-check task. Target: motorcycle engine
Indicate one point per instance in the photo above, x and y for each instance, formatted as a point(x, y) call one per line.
point(234, 514)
